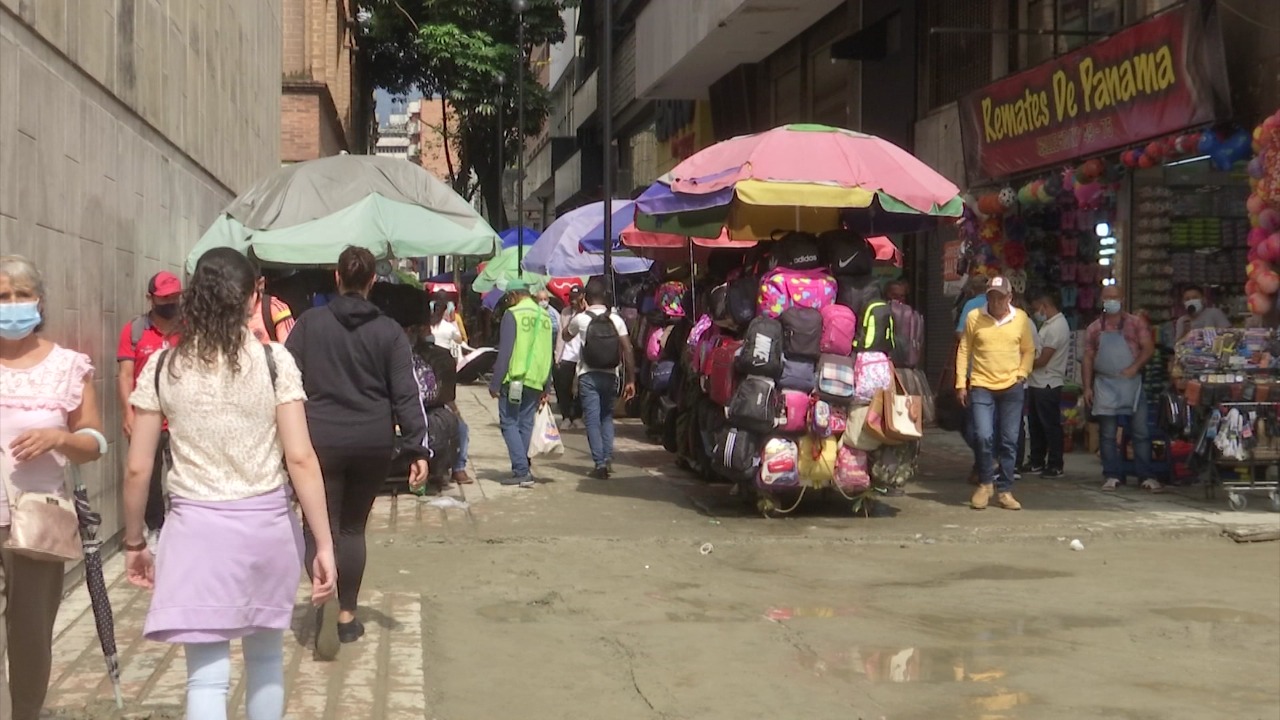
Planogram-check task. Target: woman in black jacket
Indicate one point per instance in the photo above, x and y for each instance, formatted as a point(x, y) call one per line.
point(357, 370)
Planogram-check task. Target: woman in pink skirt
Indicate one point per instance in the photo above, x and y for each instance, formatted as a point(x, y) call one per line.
point(232, 554)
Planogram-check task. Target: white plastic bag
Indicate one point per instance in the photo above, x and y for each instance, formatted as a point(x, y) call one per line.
point(546, 436)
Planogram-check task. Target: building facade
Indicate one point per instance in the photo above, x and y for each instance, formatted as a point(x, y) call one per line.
point(327, 107)
point(125, 127)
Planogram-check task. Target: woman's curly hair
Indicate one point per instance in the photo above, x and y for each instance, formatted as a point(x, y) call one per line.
point(214, 308)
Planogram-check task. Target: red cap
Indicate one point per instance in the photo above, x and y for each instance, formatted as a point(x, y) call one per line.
point(164, 284)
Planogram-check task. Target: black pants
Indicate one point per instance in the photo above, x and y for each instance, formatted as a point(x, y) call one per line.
point(1045, 417)
point(154, 513)
point(570, 404)
point(352, 479)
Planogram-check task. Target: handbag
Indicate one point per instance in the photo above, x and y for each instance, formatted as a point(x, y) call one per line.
point(903, 413)
point(874, 425)
point(42, 526)
point(856, 434)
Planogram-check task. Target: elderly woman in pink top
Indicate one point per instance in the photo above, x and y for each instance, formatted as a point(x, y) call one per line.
point(48, 417)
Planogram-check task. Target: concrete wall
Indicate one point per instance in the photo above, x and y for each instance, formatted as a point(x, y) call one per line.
point(125, 126)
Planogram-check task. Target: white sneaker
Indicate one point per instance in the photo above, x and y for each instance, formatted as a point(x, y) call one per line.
point(1110, 485)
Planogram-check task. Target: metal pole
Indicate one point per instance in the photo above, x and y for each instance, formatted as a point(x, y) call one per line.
point(606, 114)
point(502, 141)
point(520, 145)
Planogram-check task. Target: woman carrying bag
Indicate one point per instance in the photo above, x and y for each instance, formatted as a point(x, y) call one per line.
point(48, 417)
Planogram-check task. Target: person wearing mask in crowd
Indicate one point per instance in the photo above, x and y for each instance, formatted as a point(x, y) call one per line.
point(144, 336)
point(1044, 387)
point(543, 297)
point(567, 353)
point(977, 289)
point(233, 546)
point(271, 319)
point(446, 332)
point(897, 291)
point(1117, 347)
point(1199, 314)
point(521, 375)
point(993, 361)
point(606, 351)
point(357, 370)
point(49, 417)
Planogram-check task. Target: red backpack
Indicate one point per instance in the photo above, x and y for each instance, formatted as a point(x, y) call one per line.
point(722, 380)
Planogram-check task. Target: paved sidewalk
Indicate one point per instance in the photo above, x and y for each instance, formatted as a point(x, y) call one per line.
point(649, 503)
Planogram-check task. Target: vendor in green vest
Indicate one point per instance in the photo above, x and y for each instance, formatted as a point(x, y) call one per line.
point(521, 375)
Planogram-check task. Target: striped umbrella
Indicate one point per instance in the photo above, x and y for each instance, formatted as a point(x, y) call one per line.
point(90, 521)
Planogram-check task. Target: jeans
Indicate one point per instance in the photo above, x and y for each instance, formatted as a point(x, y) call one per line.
point(464, 442)
point(598, 392)
point(516, 422)
point(971, 439)
point(1139, 434)
point(1046, 427)
point(997, 415)
point(209, 677)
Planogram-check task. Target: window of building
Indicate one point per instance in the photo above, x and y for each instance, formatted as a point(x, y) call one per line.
point(1070, 24)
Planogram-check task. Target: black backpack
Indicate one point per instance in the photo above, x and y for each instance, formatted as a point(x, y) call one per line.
point(855, 292)
point(876, 333)
point(754, 406)
point(848, 253)
point(761, 352)
point(801, 332)
point(442, 440)
point(798, 250)
point(600, 350)
point(740, 299)
point(718, 306)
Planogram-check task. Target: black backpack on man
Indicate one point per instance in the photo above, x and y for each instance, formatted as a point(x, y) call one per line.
point(600, 348)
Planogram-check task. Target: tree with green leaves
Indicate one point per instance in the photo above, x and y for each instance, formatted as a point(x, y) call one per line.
point(464, 52)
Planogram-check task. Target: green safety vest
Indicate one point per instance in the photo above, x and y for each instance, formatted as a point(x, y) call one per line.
point(534, 346)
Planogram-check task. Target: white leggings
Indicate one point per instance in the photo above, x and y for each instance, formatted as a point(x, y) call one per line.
point(209, 677)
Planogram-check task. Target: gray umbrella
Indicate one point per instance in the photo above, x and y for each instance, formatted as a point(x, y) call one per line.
point(99, 600)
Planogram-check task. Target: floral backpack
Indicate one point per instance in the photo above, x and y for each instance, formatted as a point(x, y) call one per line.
point(786, 288)
point(669, 297)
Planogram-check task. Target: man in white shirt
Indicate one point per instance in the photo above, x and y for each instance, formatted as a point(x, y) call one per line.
point(605, 350)
point(1045, 386)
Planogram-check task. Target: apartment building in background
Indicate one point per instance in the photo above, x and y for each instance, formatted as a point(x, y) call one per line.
point(326, 105)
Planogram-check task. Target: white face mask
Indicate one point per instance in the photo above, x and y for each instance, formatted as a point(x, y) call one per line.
point(1194, 305)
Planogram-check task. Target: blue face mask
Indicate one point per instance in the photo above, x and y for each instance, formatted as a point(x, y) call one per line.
point(18, 320)
point(1111, 307)
point(1040, 318)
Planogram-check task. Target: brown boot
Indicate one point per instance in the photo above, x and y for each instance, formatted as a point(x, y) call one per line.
point(461, 477)
point(981, 496)
point(1006, 501)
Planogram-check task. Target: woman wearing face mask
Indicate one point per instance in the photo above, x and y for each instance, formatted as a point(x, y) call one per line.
point(1198, 314)
point(48, 416)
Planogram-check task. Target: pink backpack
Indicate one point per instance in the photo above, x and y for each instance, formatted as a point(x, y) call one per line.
point(653, 344)
point(839, 327)
point(795, 406)
point(786, 288)
point(700, 328)
point(872, 372)
point(852, 473)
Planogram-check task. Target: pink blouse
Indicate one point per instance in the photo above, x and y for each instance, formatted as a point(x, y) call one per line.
point(37, 398)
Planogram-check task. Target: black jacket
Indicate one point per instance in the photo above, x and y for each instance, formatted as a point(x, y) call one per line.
point(357, 369)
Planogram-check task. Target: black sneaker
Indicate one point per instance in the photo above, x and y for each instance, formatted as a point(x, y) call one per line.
point(350, 632)
point(599, 473)
point(1033, 469)
point(1051, 474)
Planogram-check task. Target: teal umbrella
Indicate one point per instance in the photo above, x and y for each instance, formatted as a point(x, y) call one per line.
point(503, 267)
point(308, 213)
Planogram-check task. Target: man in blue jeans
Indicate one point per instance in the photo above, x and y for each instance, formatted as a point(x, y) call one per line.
point(998, 350)
point(521, 376)
point(606, 349)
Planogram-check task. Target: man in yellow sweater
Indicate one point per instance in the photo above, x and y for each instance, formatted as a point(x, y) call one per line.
point(998, 341)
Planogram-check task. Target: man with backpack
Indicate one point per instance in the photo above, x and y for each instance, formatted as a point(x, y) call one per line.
point(606, 349)
point(521, 375)
point(142, 337)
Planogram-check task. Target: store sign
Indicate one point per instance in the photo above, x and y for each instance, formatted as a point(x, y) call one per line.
point(1150, 80)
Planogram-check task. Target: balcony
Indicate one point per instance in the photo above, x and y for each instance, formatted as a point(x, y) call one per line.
point(683, 47)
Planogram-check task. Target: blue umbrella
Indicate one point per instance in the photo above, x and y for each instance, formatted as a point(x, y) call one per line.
point(572, 244)
point(510, 237)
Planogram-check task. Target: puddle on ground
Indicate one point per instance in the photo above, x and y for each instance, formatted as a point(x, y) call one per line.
point(1220, 616)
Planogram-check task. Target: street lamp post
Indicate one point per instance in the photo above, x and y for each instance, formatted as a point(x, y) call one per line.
point(606, 115)
point(519, 6)
point(502, 121)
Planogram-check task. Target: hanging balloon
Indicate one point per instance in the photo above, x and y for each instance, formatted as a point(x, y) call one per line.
point(1130, 158)
point(1008, 197)
point(990, 204)
point(1269, 249)
point(1208, 142)
point(1053, 185)
point(1260, 304)
point(1222, 158)
point(1155, 150)
point(1146, 161)
point(1256, 168)
point(1187, 144)
point(1068, 180)
point(1256, 236)
point(1025, 195)
point(1170, 145)
point(1089, 196)
point(1269, 220)
point(1268, 282)
point(1093, 168)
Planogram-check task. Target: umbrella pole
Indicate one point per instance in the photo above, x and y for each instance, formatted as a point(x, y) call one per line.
point(693, 279)
point(606, 117)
